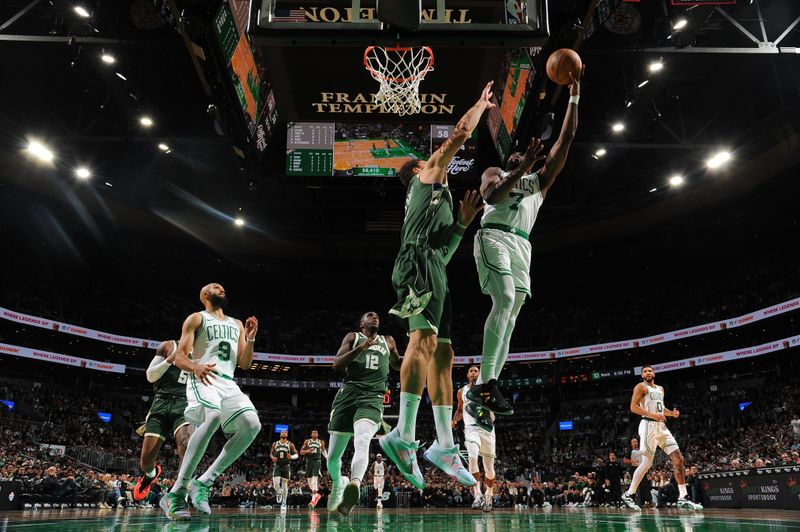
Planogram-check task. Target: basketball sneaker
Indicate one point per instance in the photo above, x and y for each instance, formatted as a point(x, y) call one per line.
point(483, 417)
point(314, 500)
point(175, 507)
point(350, 497)
point(143, 485)
point(488, 396)
point(477, 504)
point(629, 502)
point(337, 490)
point(487, 505)
point(686, 504)
point(404, 456)
point(199, 494)
point(379, 506)
point(449, 461)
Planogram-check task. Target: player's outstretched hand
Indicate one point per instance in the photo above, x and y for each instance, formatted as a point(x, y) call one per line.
point(486, 95)
point(575, 86)
point(251, 327)
point(204, 372)
point(533, 152)
point(675, 412)
point(470, 206)
point(659, 417)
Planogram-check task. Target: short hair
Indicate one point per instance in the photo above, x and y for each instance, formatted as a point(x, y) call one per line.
point(473, 366)
point(406, 171)
point(645, 367)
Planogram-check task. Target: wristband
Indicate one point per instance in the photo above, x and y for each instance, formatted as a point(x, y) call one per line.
point(251, 340)
point(461, 226)
point(574, 99)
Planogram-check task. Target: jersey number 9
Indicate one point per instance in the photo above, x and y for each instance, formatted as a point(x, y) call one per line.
point(224, 351)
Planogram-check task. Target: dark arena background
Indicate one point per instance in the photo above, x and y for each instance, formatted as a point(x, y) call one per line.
point(148, 148)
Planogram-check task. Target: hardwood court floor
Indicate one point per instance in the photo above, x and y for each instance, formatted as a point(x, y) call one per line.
point(417, 520)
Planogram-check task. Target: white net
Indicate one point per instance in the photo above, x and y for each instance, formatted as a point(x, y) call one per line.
point(399, 72)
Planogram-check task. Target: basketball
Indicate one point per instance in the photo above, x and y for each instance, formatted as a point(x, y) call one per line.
point(561, 63)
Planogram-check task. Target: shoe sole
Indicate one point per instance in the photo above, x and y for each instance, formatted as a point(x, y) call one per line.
point(349, 499)
point(171, 516)
point(390, 453)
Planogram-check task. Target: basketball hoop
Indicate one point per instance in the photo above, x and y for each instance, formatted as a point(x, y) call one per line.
point(399, 72)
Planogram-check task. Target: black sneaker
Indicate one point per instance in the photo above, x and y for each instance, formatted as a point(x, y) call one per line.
point(482, 416)
point(488, 396)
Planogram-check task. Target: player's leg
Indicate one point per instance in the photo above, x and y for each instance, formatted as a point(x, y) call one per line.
point(336, 447)
point(473, 449)
point(147, 464)
point(647, 439)
point(182, 436)
point(488, 468)
point(519, 300)
point(363, 431)
point(670, 447)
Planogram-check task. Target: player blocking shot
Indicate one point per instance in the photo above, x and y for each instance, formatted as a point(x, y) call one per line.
point(282, 453)
point(314, 449)
point(502, 249)
point(479, 439)
point(218, 344)
point(648, 401)
point(166, 415)
point(378, 475)
point(357, 411)
point(429, 238)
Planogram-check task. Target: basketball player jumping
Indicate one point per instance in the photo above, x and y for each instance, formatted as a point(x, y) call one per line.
point(357, 410)
point(281, 453)
point(165, 415)
point(314, 449)
point(378, 473)
point(479, 439)
point(429, 238)
point(502, 250)
point(648, 401)
point(219, 343)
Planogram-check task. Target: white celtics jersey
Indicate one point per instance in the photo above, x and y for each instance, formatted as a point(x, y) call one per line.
point(379, 469)
point(653, 401)
point(217, 342)
point(520, 208)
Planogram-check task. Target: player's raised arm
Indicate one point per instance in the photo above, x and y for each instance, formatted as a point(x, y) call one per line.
point(497, 183)
point(459, 409)
point(304, 450)
point(558, 153)
point(204, 372)
point(345, 355)
point(468, 208)
point(247, 342)
point(394, 355)
point(440, 160)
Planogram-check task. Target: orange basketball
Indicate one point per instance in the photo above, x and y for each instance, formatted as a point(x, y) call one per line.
point(561, 63)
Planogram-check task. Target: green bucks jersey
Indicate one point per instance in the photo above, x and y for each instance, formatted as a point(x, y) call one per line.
point(429, 214)
point(173, 381)
point(520, 208)
point(316, 447)
point(217, 342)
point(284, 452)
point(369, 369)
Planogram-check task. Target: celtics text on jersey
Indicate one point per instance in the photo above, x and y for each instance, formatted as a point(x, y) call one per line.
point(217, 342)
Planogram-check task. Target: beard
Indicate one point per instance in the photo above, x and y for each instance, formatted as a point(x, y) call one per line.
point(649, 379)
point(218, 301)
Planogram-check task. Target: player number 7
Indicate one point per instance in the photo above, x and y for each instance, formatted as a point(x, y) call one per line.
point(517, 199)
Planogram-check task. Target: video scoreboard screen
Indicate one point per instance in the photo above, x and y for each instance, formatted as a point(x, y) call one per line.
point(511, 91)
point(346, 149)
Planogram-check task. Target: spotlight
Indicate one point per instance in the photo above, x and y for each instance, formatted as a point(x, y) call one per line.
point(81, 11)
point(619, 126)
point(120, 76)
point(655, 66)
point(628, 104)
point(642, 84)
point(109, 184)
point(718, 159)
point(600, 152)
point(40, 151)
point(146, 121)
point(108, 59)
point(239, 222)
point(680, 24)
point(83, 173)
point(653, 189)
point(163, 147)
point(676, 180)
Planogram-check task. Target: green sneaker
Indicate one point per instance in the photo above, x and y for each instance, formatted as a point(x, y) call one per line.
point(199, 494)
point(175, 507)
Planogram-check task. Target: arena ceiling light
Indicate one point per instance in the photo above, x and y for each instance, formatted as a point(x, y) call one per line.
point(239, 221)
point(146, 121)
point(645, 82)
point(599, 153)
point(40, 151)
point(680, 24)
point(653, 189)
point(676, 180)
point(108, 59)
point(618, 127)
point(120, 76)
point(718, 159)
point(81, 11)
point(163, 147)
point(655, 66)
point(83, 173)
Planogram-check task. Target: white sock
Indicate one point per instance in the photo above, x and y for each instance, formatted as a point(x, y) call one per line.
point(476, 490)
point(639, 473)
point(489, 493)
point(682, 491)
point(314, 485)
point(407, 422)
point(363, 431)
point(151, 473)
point(442, 416)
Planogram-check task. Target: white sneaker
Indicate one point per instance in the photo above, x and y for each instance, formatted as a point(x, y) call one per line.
point(686, 504)
point(477, 504)
point(379, 505)
point(449, 461)
point(630, 503)
point(350, 496)
point(199, 494)
point(336, 493)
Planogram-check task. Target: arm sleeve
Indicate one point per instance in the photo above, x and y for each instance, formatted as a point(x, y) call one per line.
point(456, 233)
point(158, 366)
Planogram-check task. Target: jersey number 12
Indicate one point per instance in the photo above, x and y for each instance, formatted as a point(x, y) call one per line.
point(371, 361)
